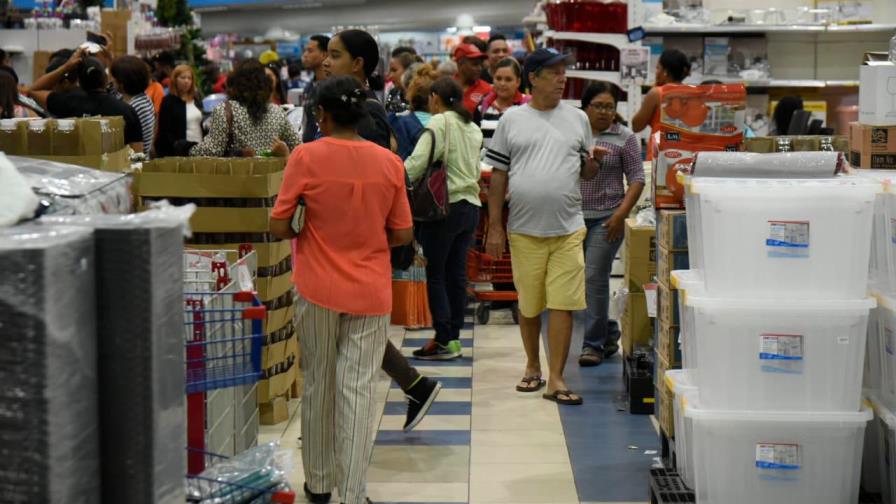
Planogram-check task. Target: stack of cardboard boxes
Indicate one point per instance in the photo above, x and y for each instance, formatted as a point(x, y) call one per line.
point(672, 254)
point(95, 142)
point(872, 140)
point(235, 197)
point(639, 255)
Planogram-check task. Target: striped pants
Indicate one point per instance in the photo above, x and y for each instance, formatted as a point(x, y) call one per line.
point(341, 355)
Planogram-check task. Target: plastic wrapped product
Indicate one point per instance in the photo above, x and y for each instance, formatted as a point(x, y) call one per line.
point(72, 189)
point(781, 165)
point(141, 354)
point(49, 417)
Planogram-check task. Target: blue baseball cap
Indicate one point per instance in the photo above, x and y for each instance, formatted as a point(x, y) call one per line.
point(546, 57)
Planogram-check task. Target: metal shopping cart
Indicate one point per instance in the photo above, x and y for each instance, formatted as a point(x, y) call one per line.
point(484, 269)
point(223, 337)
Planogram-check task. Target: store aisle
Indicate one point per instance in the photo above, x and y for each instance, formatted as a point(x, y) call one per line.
point(484, 442)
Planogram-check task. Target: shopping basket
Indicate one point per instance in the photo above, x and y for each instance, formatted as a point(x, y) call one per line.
point(259, 486)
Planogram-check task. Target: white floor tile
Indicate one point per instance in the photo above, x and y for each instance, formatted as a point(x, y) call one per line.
point(446, 371)
point(445, 395)
point(430, 422)
point(415, 492)
point(409, 464)
point(522, 483)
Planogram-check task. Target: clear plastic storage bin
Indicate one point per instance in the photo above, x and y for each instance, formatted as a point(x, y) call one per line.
point(682, 387)
point(765, 355)
point(687, 282)
point(882, 268)
point(886, 330)
point(747, 457)
point(781, 239)
point(885, 426)
point(872, 453)
point(872, 379)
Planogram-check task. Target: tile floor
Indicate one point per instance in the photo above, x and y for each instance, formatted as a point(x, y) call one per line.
point(483, 442)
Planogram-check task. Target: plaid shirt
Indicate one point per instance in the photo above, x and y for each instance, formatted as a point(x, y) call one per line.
point(606, 191)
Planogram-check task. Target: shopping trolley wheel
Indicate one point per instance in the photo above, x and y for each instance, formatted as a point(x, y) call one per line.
point(515, 312)
point(482, 313)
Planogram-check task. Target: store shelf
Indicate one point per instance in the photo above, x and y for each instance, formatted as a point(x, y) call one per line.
point(613, 77)
point(696, 29)
point(618, 40)
point(787, 83)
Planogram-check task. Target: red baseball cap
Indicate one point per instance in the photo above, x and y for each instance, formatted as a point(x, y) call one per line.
point(468, 51)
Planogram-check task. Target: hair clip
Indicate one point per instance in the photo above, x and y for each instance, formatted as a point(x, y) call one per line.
point(344, 98)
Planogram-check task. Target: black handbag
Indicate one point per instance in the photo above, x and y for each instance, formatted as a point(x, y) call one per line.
point(429, 194)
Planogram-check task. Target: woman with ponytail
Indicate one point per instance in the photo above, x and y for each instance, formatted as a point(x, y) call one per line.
point(445, 243)
point(409, 125)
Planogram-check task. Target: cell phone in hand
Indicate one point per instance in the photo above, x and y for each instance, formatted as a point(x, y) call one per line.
point(96, 38)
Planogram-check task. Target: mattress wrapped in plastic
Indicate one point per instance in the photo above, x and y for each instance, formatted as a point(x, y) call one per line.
point(796, 165)
point(76, 190)
point(141, 355)
point(49, 417)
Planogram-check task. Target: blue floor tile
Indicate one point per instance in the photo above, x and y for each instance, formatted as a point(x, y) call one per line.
point(453, 382)
point(437, 408)
point(424, 438)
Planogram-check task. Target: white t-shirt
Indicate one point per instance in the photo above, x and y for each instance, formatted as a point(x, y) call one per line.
point(541, 151)
point(194, 123)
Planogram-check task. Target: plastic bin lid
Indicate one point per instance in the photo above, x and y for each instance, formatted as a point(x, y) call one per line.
point(35, 236)
point(692, 410)
point(693, 185)
point(845, 306)
point(882, 412)
point(885, 299)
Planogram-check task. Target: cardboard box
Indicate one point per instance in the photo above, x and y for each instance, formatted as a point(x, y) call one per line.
point(666, 412)
point(667, 299)
point(277, 385)
point(669, 261)
point(203, 178)
point(274, 412)
point(672, 229)
point(230, 220)
point(639, 255)
point(872, 146)
point(39, 64)
point(118, 161)
point(277, 319)
point(273, 354)
point(877, 93)
point(667, 343)
point(705, 111)
point(636, 326)
point(270, 288)
point(675, 153)
point(116, 22)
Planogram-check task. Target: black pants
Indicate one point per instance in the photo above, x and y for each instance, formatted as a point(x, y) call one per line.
point(445, 245)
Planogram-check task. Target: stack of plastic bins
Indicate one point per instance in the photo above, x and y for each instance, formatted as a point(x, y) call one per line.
point(680, 383)
point(883, 430)
point(779, 331)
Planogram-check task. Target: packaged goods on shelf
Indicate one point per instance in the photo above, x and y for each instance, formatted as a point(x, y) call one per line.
point(76, 190)
point(588, 16)
point(683, 390)
point(875, 96)
point(872, 147)
point(141, 353)
point(636, 326)
point(765, 238)
point(667, 342)
point(668, 261)
point(664, 396)
point(48, 366)
point(667, 300)
point(766, 145)
point(676, 152)
point(778, 354)
point(639, 255)
point(672, 229)
point(95, 142)
point(687, 282)
point(744, 457)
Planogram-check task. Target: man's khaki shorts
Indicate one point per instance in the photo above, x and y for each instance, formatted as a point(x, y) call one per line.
point(549, 272)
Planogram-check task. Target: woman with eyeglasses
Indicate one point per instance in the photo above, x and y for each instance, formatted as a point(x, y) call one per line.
point(606, 204)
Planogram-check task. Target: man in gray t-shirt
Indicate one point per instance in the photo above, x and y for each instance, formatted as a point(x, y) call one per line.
point(543, 149)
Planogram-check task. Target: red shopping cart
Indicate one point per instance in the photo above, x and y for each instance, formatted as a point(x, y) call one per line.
point(484, 269)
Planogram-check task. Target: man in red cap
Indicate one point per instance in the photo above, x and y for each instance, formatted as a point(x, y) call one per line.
point(469, 61)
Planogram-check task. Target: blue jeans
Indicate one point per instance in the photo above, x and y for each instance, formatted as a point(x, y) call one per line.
point(600, 330)
point(445, 245)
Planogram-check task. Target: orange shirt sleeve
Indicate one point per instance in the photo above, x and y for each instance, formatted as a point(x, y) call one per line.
point(400, 214)
point(294, 180)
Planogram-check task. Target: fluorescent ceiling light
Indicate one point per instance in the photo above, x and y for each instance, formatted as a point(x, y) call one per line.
point(482, 28)
point(451, 29)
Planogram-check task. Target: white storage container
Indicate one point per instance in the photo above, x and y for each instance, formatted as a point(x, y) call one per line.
point(781, 239)
point(883, 238)
point(680, 383)
point(687, 282)
point(872, 379)
point(746, 457)
point(766, 355)
point(885, 425)
point(871, 454)
point(886, 321)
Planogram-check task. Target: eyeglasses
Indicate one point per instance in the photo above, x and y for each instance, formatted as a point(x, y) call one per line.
point(602, 107)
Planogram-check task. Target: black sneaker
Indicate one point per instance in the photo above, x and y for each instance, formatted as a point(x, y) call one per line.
point(610, 350)
point(313, 498)
point(420, 398)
